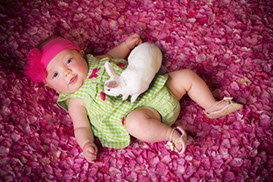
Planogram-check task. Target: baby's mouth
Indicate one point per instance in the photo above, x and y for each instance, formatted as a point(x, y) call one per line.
point(73, 80)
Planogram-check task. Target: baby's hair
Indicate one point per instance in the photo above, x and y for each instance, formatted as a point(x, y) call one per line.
point(44, 42)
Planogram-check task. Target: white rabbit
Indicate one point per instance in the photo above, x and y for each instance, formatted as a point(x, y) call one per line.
point(143, 63)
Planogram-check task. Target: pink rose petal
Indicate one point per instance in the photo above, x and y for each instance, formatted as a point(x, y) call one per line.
point(227, 43)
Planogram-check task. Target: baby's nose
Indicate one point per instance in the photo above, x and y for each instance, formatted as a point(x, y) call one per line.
point(67, 72)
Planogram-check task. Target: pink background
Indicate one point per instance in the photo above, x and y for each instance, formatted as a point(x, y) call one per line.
point(227, 42)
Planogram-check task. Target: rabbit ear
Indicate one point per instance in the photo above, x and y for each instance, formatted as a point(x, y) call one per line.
point(111, 84)
point(109, 69)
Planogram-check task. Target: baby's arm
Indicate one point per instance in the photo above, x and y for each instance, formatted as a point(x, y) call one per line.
point(82, 129)
point(122, 50)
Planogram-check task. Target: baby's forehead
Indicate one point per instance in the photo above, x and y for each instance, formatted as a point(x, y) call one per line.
point(60, 57)
point(66, 53)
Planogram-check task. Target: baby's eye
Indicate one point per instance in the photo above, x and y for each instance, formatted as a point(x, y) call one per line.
point(55, 75)
point(68, 61)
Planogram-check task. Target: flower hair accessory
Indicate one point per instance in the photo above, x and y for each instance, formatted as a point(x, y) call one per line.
point(37, 60)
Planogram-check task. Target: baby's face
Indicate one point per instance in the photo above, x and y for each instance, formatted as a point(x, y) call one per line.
point(67, 71)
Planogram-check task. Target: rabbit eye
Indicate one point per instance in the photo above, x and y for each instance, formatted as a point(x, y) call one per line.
point(108, 89)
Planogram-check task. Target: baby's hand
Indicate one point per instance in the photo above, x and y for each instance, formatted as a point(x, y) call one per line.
point(90, 152)
point(133, 40)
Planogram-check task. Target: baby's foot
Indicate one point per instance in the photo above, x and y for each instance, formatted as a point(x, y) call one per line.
point(178, 143)
point(218, 106)
point(222, 108)
point(178, 140)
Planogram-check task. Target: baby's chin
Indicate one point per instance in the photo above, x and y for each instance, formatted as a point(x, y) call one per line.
point(72, 88)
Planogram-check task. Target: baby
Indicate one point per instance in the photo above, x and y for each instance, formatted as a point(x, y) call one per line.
point(79, 79)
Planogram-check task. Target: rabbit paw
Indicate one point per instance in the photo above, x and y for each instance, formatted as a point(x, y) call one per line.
point(133, 98)
point(124, 97)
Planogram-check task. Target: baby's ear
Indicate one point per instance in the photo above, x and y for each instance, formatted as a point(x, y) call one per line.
point(46, 85)
point(111, 84)
point(82, 53)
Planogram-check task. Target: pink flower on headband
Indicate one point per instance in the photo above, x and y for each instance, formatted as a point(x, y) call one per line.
point(34, 69)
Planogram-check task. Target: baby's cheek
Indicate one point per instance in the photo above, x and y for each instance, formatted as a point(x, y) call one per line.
point(84, 68)
point(61, 88)
point(85, 65)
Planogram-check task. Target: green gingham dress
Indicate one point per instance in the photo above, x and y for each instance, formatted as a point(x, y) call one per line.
point(107, 113)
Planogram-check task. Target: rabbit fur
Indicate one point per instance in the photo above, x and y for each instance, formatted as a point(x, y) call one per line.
point(144, 62)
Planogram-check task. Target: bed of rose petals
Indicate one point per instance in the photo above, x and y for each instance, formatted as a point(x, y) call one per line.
point(229, 43)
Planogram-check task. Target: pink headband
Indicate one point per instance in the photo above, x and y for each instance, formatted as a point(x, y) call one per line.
point(37, 60)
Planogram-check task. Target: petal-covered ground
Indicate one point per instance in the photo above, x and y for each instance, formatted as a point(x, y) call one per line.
point(229, 43)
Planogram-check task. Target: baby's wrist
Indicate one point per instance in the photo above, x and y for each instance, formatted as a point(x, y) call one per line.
point(87, 143)
point(127, 45)
point(109, 55)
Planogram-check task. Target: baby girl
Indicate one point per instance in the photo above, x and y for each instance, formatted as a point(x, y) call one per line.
point(79, 79)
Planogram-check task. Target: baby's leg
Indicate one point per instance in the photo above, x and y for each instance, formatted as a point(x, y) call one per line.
point(186, 81)
point(145, 124)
